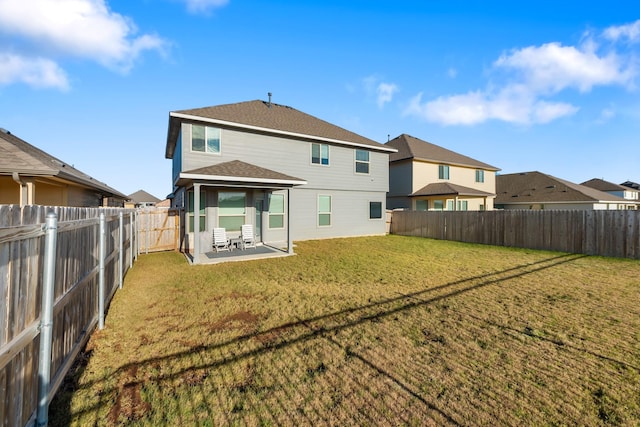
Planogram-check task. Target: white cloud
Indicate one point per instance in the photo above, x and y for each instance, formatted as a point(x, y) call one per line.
point(510, 105)
point(81, 28)
point(630, 31)
point(195, 6)
point(553, 67)
point(382, 91)
point(525, 81)
point(37, 72)
point(452, 72)
point(385, 93)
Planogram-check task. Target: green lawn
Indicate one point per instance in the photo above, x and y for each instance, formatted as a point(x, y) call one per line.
point(369, 331)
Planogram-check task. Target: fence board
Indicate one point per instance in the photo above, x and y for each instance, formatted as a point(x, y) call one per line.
point(606, 233)
point(158, 229)
point(75, 295)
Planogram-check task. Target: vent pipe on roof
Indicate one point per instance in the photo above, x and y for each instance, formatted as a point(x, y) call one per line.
point(269, 104)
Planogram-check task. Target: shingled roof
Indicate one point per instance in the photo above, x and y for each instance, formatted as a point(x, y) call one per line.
point(17, 155)
point(267, 117)
point(238, 170)
point(602, 185)
point(537, 187)
point(142, 196)
point(410, 147)
point(449, 189)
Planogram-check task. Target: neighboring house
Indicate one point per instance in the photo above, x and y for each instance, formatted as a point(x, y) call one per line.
point(29, 176)
point(141, 199)
point(631, 184)
point(627, 193)
point(536, 190)
point(425, 176)
point(291, 175)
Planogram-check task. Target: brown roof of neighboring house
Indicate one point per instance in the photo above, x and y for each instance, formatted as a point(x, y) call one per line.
point(17, 155)
point(410, 147)
point(142, 196)
point(265, 116)
point(537, 187)
point(602, 185)
point(241, 171)
point(447, 188)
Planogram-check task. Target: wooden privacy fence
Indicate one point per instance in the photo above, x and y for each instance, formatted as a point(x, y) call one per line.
point(606, 233)
point(59, 268)
point(158, 229)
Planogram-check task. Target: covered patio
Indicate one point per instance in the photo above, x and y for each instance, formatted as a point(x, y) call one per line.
point(231, 194)
point(446, 191)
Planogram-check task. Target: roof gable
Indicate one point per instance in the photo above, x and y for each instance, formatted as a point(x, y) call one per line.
point(264, 116)
point(142, 196)
point(537, 187)
point(410, 147)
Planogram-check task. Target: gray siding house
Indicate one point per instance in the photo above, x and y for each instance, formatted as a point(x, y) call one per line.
point(291, 175)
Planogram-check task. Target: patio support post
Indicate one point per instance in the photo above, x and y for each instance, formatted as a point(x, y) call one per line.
point(196, 222)
point(289, 240)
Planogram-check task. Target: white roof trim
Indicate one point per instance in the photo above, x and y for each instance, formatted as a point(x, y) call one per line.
point(240, 179)
point(281, 132)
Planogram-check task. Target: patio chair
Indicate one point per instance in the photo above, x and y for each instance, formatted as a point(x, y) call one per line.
point(220, 240)
point(247, 236)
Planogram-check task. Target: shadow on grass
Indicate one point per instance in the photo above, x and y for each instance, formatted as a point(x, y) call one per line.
point(287, 335)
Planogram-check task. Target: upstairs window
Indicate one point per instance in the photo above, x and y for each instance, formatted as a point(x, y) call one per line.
point(320, 154)
point(362, 161)
point(205, 139)
point(443, 171)
point(479, 175)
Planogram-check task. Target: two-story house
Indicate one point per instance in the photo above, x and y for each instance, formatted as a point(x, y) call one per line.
point(291, 175)
point(425, 176)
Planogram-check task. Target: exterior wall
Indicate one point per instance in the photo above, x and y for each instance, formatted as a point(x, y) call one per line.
point(82, 198)
point(425, 173)
point(400, 174)
point(50, 195)
point(349, 214)
point(291, 157)
point(177, 157)
point(350, 192)
point(9, 191)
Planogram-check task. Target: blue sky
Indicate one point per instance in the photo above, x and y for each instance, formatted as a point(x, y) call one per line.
point(546, 85)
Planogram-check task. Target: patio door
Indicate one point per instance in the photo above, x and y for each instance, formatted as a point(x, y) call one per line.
point(258, 227)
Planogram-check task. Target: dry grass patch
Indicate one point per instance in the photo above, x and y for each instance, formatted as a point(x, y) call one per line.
point(370, 331)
